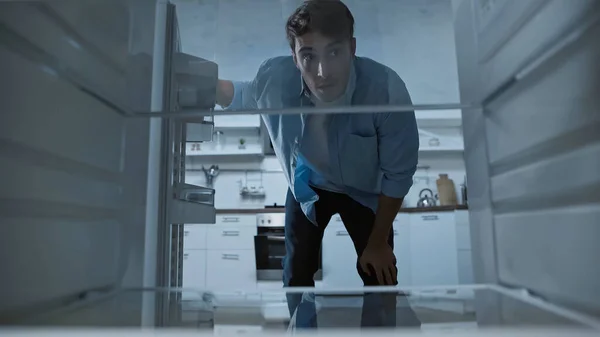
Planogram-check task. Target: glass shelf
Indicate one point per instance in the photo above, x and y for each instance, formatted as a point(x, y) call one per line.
point(469, 308)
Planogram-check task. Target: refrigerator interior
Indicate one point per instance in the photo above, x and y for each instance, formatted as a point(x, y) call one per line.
point(95, 117)
point(533, 151)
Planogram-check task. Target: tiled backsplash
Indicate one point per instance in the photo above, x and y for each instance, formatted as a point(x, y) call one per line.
point(267, 173)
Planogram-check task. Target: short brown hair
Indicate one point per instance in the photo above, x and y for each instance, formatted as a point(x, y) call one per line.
point(330, 18)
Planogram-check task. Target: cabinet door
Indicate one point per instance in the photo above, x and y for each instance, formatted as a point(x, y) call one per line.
point(235, 220)
point(194, 273)
point(237, 121)
point(194, 237)
point(402, 249)
point(433, 252)
point(339, 258)
point(229, 269)
point(231, 237)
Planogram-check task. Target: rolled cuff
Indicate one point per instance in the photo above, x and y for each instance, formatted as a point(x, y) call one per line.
point(396, 188)
point(239, 91)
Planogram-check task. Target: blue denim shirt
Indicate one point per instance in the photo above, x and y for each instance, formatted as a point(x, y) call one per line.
point(370, 153)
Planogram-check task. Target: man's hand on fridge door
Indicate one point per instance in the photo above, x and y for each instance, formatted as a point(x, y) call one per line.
point(224, 93)
point(379, 260)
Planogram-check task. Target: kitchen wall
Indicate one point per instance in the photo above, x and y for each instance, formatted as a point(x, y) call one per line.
point(413, 37)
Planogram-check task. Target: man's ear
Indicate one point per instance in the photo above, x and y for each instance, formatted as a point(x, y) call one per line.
point(353, 46)
point(295, 58)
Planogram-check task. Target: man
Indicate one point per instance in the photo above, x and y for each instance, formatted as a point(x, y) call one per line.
point(358, 165)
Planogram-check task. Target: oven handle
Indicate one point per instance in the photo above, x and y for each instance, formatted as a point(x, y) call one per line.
point(274, 238)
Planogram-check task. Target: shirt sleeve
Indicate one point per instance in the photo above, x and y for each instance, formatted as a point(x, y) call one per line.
point(245, 93)
point(244, 96)
point(398, 142)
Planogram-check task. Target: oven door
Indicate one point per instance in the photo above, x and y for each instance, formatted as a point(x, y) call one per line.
point(269, 247)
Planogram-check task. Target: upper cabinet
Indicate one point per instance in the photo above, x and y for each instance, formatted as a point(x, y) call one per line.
point(439, 118)
point(226, 122)
point(237, 122)
point(440, 130)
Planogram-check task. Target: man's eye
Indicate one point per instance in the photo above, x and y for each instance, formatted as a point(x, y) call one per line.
point(334, 52)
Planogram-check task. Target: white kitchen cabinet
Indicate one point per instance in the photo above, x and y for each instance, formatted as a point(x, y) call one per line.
point(236, 219)
point(339, 257)
point(230, 269)
point(438, 118)
point(237, 121)
point(194, 236)
point(194, 273)
point(402, 249)
point(231, 262)
point(231, 237)
point(433, 250)
point(220, 256)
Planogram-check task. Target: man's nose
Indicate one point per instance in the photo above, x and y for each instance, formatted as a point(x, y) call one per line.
point(323, 69)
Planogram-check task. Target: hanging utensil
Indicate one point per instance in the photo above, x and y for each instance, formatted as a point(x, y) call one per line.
point(210, 174)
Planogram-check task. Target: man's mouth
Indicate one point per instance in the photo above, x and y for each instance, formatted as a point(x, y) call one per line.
point(325, 86)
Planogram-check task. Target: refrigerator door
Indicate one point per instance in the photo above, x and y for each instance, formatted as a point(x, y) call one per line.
point(533, 150)
point(87, 178)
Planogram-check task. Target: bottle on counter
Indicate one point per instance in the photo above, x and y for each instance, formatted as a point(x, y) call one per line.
point(463, 190)
point(446, 191)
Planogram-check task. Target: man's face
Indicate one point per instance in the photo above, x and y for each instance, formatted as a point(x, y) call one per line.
point(324, 64)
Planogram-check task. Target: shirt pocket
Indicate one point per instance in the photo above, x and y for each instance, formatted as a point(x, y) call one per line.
point(359, 160)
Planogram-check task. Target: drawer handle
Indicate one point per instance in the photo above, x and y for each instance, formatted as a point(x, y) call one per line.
point(231, 233)
point(429, 217)
point(341, 233)
point(231, 219)
point(185, 256)
point(230, 257)
point(186, 233)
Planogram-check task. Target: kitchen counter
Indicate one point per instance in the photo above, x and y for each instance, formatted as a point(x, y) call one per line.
point(402, 210)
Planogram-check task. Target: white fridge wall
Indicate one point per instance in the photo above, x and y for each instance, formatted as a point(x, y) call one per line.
point(533, 154)
point(480, 207)
point(74, 203)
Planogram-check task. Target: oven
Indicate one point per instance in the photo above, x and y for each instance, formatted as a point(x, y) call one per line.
point(269, 247)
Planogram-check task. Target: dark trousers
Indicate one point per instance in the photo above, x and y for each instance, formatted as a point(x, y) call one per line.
point(303, 242)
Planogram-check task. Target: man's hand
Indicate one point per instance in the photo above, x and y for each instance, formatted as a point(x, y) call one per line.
point(382, 260)
point(224, 93)
point(378, 254)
